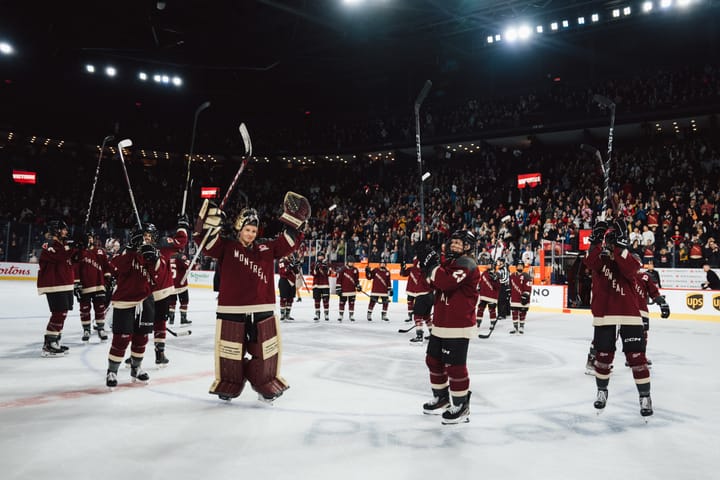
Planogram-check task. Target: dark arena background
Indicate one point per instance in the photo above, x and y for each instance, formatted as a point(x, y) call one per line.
point(401, 121)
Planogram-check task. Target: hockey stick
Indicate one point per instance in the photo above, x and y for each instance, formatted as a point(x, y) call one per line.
point(605, 102)
point(248, 153)
point(492, 329)
point(109, 138)
point(127, 143)
point(406, 330)
point(418, 147)
point(179, 333)
point(192, 149)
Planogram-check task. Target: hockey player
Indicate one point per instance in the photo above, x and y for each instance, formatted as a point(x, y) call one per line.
point(288, 271)
point(174, 251)
point(348, 283)
point(420, 299)
point(381, 289)
point(615, 307)
point(93, 275)
point(321, 286)
point(55, 281)
point(489, 287)
point(133, 306)
point(520, 290)
point(456, 294)
point(245, 312)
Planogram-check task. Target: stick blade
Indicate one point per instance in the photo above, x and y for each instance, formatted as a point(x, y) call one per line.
point(246, 140)
point(126, 143)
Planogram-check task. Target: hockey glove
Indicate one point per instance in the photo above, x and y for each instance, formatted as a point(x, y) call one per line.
point(358, 288)
point(390, 292)
point(368, 271)
point(77, 290)
point(338, 291)
point(428, 261)
point(493, 275)
point(664, 307)
point(621, 230)
point(183, 222)
point(149, 253)
point(109, 284)
point(296, 210)
point(525, 298)
point(598, 232)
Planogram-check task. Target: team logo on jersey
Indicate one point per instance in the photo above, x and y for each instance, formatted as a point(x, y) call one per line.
point(694, 301)
point(263, 248)
point(716, 302)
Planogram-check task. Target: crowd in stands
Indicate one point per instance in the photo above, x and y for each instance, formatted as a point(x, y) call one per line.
point(668, 187)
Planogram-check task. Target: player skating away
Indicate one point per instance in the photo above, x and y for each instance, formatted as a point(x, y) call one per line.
point(420, 299)
point(503, 276)
point(55, 281)
point(174, 251)
point(133, 304)
point(321, 286)
point(381, 289)
point(455, 282)
point(288, 270)
point(520, 290)
point(489, 290)
point(93, 269)
point(615, 306)
point(246, 323)
point(348, 283)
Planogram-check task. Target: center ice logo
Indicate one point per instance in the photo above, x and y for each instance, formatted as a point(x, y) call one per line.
point(694, 301)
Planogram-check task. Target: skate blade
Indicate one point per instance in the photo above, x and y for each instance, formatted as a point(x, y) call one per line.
point(52, 355)
point(599, 411)
point(140, 382)
point(456, 422)
point(160, 366)
point(110, 389)
point(590, 372)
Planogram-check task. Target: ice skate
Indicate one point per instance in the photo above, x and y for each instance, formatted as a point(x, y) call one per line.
point(646, 409)
point(86, 335)
point(590, 367)
point(439, 403)
point(369, 317)
point(385, 317)
point(316, 318)
point(600, 400)
point(459, 412)
point(111, 379)
point(139, 375)
point(102, 334)
point(160, 359)
point(419, 338)
point(52, 349)
point(171, 318)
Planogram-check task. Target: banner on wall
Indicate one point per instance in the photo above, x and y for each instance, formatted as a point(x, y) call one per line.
point(18, 271)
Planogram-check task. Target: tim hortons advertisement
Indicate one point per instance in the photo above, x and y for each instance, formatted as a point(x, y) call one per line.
point(18, 271)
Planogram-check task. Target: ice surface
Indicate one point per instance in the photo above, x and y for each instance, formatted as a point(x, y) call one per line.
point(354, 406)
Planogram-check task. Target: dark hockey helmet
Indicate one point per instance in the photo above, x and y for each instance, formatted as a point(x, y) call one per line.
point(248, 216)
point(383, 263)
point(55, 227)
point(520, 267)
point(350, 261)
point(468, 240)
point(150, 229)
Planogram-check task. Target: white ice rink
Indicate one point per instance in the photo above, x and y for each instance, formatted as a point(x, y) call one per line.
point(354, 407)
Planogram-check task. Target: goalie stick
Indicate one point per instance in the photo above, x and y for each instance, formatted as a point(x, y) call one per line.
point(107, 139)
point(199, 110)
point(248, 153)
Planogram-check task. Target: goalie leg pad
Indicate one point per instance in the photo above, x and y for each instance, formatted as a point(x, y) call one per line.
point(229, 359)
point(264, 366)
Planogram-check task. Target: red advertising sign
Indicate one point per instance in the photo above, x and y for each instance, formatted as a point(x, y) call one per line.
point(209, 192)
point(21, 176)
point(584, 237)
point(530, 179)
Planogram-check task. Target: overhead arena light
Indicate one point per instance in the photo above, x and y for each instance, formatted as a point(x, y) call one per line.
point(524, 32)
point(565, 24)
point(627, 11)
point(511, 35)
point(554, 26)
point(539, 29)
point(157, 78)
point(581, 20)
point(90, 68)
point(595, 18)
point(177, 81)
point(6, 48)
point(110, 71)
point(647, 7)
point(616, 13)
point(683, 3)
point(142, 76)
point(490, 39)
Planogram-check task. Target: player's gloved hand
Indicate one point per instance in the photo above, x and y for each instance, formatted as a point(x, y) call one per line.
point(525, 298)
point(213, 217)
point(664, 307)
point(338, 290)
point(358, 288)
point(621, 231)
point(183, 222)
point(598, 232)
point(77, 287)
point(390, 292)
point(110, 284)
point(296, 210)
point(492, 274)
point(428, 258)
point(149, 252)
point(368, 270)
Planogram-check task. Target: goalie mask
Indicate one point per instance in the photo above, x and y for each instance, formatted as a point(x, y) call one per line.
point(248, 216)
point(468, 243)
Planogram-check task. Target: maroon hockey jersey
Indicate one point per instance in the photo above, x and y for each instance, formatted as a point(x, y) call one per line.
point(93, 266)
point(347, 279)
point(645, 288)
point(456, 295)
point(519, 284)
point(416, 283)
point(287, 270)
point(489, 287)
point(135, 278)
point(381, 283)
point(614, 299)
point(169, 246)
point(179, 264)
point(56, 268)
point(321, 275)
point(247, 274)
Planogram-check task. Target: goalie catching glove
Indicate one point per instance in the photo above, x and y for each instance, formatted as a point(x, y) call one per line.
point(211, 218)
point(296, 210)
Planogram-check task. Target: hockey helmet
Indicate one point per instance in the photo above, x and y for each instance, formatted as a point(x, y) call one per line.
point(150, 229)
point(247, 216)
point(520, 267)
point(55, 227)
point(468, 242)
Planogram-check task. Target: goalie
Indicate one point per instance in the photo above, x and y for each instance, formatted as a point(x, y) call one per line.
point(247, 336)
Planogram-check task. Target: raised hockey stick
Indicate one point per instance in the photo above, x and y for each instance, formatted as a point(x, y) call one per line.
point(606, 176)
point(248, 153)
point(122, 144)
point(179, 333)
point(605, 102)
point(199, 110)
point(418, 147)
point(107, 139)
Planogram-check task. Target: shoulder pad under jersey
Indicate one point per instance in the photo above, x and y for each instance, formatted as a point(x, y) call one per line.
point(466, 262)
